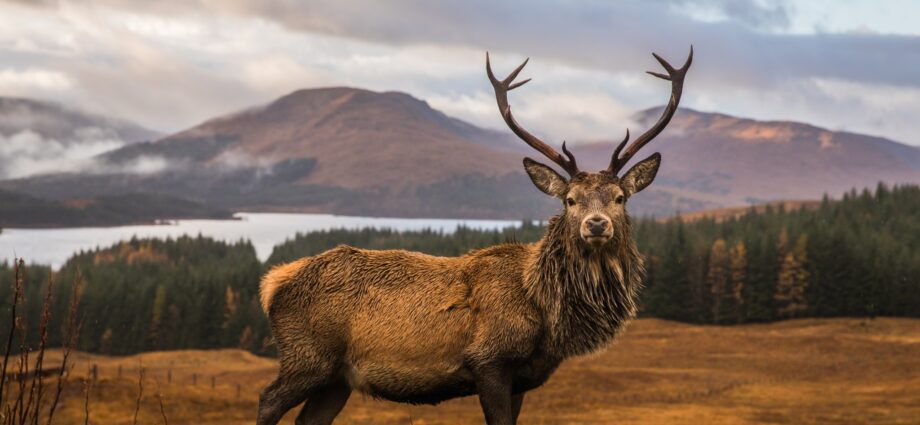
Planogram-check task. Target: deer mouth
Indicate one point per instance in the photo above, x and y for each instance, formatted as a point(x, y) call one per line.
point(596, 240)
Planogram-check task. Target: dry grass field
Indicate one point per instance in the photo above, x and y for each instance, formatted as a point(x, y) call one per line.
point(838, 371)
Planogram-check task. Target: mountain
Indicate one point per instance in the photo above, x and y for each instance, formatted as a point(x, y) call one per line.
point(342, 150)
point(729, 161)
point(39, 137)
point(360, 138)
point(358, 152)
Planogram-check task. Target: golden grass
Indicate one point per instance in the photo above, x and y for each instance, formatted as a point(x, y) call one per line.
point(827, 371)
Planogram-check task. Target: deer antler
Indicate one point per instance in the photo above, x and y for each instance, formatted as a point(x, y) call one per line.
point(676, 77)
point(502, 87)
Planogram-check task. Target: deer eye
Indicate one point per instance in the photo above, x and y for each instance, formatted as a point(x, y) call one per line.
point(619, 199)
point(570, 201)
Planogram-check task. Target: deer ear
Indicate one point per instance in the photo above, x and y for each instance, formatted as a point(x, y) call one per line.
point(546, 179)
point(641, 175)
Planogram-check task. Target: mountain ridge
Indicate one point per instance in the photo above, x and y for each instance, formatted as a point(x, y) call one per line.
point(359, 152)
point(322, 122)
point(734, 161)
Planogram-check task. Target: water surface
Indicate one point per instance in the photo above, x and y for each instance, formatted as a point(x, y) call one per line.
point(264, 230)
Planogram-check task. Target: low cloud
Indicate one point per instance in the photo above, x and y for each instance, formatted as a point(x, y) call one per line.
point(27, 153)
point(139, 165)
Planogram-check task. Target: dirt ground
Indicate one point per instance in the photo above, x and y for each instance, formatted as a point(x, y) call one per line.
point(827, 371)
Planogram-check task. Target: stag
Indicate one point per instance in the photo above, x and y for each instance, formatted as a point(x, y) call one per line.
point(496, 322)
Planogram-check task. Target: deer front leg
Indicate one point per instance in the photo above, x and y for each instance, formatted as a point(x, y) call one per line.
point(494, 386)
point(517, 401)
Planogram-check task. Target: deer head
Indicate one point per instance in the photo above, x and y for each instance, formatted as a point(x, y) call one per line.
point(595, 203)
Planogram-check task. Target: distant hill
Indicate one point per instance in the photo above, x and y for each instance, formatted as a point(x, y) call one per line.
point(727, 161)
point(39, 137)
point(341, 150)
point(360, 138)
point(352, 151)
point(19, 210)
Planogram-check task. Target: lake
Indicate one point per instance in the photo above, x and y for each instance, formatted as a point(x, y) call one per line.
point(264, 230)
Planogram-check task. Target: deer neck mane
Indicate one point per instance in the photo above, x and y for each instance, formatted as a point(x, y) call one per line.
point(587, 295)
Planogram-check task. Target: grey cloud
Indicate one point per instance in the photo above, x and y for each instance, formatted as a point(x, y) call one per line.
point(746, 64)
point(611, 35)
point(756, 14)
point(604, 35)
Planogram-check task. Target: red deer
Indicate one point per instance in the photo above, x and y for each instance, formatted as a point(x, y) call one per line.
point(496, 322)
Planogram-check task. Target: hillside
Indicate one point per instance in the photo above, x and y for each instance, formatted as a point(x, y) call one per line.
point(729, 161)
point(357, 152)
point(361, 139)
point(814, 371)
point(40, 137)
point(341, 150)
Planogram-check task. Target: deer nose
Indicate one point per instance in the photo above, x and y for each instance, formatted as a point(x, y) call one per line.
point(597, 225)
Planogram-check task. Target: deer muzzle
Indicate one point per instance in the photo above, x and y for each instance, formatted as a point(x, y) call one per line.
point(596, 229)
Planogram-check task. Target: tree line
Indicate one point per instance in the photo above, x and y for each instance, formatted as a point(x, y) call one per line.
point(858, 256)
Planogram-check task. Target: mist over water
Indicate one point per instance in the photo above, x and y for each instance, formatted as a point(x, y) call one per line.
point(264, 230)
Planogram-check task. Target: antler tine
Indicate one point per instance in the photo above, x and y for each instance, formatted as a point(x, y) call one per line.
point(502, 87)
point(616, 152)
point(571, 158)
point(676, 77)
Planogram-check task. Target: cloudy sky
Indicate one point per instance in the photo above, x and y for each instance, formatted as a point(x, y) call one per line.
point(169, 64)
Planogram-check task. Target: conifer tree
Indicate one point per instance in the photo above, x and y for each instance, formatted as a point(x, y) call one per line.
point(717, 278)
point(737, 272)
point(792, 280)
point(156, 322)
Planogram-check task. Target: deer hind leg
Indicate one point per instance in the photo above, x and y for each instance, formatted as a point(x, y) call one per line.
point(294, 384)
point(324, 404)
point(277, 398)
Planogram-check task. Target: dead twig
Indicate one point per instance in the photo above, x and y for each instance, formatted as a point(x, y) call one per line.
point(17, 295)
point(162, 408)
point(87, 388)
point(35, 391)
point(71, 334)
point(140, 391)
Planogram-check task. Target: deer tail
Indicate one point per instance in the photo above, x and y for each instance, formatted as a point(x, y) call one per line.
point(277, 277)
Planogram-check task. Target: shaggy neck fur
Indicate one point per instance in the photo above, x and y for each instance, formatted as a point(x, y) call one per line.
point(587, 294)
